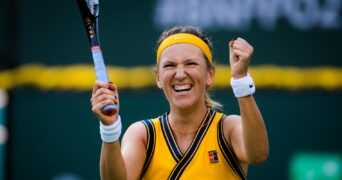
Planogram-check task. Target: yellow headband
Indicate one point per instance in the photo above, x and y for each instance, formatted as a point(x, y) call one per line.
point(185, 38)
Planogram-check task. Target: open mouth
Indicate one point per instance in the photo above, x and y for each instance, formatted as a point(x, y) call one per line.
point(182, 88)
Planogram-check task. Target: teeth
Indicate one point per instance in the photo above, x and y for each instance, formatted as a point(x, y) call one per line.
point(182, 87)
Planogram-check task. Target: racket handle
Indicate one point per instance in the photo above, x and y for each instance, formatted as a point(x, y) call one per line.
point(101, 75)
point(110, 109)
point(100, 67)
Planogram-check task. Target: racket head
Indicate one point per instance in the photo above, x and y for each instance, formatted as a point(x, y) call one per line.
point(90, 11)
point(89, 8)
point(94, 7)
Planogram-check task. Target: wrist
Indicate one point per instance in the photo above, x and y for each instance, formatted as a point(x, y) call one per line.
point(111, 133)
point(243, 86)
point(239, 76)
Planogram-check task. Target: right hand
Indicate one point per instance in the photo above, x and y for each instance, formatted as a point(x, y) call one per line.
point(102, 95)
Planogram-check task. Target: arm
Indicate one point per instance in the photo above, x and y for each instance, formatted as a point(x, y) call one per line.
point(134, 149)
point(128, 162)
point(112, 165)
point(247, 132)
point(116, 162)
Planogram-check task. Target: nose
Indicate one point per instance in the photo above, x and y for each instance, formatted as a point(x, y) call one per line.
point(180, 73)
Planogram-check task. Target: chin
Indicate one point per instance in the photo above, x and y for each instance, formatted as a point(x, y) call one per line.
point(183, 104)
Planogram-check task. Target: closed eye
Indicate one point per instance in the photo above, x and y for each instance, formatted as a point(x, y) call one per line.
point(168, 65)
point(192, 63)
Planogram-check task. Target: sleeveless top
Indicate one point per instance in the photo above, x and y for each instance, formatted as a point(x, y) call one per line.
point(209, 156)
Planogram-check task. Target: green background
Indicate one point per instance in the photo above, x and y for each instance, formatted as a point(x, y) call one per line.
point(54, 132)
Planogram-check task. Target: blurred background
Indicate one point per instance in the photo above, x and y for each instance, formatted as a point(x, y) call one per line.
point(47, 130)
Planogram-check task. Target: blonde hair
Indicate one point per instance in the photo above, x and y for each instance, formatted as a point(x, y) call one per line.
point(208, 100)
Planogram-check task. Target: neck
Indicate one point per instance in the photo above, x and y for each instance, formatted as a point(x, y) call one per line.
point(187, 121)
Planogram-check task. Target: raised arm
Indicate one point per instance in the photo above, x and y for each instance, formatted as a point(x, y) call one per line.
point(112, 165)
point(125, 162)
point(247, 132)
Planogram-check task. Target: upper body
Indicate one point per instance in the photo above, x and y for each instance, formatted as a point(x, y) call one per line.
point(209, 156)
point(185, 73)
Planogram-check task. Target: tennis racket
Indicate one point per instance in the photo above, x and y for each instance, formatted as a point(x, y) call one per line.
point(90, 11)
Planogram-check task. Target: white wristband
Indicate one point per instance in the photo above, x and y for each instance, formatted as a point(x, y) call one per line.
point(111, 132)
point(243, 87)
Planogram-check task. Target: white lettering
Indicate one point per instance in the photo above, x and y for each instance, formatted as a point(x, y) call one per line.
point(330, 14)
point(268, 12)
point(240, 14)
point(302, 14)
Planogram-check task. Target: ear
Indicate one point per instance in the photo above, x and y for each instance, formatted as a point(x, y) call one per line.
point(211, 77)
point(159, 84)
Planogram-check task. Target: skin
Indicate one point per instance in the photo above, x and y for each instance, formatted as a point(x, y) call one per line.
point(247, 132)
point(184, 65)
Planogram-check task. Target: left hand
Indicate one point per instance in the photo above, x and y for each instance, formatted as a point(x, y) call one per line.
point(240, 53)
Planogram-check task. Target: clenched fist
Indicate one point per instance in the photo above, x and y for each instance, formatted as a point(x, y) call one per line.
point(102, 95)
point(240, 53)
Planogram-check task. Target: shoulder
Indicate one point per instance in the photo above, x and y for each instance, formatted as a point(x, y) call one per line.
point(136, 126)
point(135, 132)
point(230, 124)
point(138, 130)
point(229, 120)
point(139, 126)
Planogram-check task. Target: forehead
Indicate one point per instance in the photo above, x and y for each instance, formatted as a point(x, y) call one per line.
point(181, 51)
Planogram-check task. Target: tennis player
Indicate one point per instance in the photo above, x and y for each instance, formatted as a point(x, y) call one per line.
point(193, 140)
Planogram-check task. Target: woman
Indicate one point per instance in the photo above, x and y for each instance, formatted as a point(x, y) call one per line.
point(192, 140)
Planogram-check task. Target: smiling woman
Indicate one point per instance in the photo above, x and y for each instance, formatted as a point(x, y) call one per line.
point(201, 45)
point(182, 76)
point(192, 140)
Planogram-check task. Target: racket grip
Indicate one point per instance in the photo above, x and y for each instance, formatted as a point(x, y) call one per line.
point(101, 75)
point(100, 67)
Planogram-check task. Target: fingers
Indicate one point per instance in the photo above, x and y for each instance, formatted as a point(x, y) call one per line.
point(231, 44)
point(98, 84)
point(240, 47)
point(102, 95)
point(240, 53)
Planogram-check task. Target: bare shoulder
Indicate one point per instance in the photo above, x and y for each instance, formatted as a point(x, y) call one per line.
point(233, 134)
point(232, 120)
point(133, 149)
point(136, 132)
point(136, 126)
point(230, 123)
